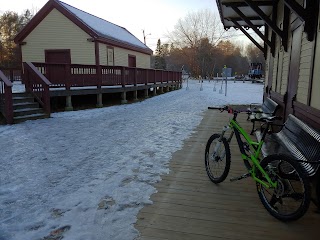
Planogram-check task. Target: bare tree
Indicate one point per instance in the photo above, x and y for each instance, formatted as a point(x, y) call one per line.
point(254, 54)
point(203, 24)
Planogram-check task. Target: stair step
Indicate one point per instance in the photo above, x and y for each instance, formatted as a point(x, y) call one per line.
point(22, 99)
point(21, 95)
point(17, 106)
point(25, 107)
point(27, 111)
point(29, 117)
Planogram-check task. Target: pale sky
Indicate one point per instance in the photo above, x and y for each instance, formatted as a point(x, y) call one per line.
point(155, 16)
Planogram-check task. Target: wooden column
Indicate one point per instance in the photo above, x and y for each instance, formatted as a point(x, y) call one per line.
point(99, 100)
point(124, 97)
point(123, 94)
point(146, 90)
point(135, 92)
point(69, 106)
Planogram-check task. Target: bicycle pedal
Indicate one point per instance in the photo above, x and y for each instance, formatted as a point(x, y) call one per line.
point(241, 177)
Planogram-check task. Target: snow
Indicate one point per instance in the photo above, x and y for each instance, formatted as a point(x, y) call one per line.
point(104, 27)
point(18, 87)
point(93, 170)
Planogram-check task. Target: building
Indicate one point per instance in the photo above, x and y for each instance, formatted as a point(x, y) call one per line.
point(60, 33)
point(66, 52)
point(291, 45)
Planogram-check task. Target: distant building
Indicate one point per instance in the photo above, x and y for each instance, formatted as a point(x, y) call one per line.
point(60, 33)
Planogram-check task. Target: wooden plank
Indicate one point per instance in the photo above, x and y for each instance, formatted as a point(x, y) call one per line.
point(188, 205)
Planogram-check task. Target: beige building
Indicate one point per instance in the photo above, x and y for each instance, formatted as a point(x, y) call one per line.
point(291, 44)
point(60, 33)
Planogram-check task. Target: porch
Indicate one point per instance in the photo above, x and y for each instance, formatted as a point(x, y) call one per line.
point(189, 206)
point(45, 81)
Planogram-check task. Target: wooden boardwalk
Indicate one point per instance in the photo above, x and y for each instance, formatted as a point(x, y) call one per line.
point(188, 206)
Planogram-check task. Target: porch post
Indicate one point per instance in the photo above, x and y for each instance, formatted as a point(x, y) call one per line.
point(135, 92)
point(99, 100)
point(69, 106)
point(135, 95)
point(124, 97)
point(146, 90)
point(161, 88)
point(155, 90)
point(155, 83)
point(8, 108)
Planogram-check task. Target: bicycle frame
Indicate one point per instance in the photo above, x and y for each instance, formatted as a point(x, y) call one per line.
point(254, 157)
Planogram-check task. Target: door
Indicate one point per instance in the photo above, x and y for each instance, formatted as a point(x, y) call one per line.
point(132, 61)
point(56, 70)
point(58, 56)
point(293, 69)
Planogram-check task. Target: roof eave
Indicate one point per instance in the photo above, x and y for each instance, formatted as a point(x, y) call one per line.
point(125, 45)
point(44, 11)
point(220, 12)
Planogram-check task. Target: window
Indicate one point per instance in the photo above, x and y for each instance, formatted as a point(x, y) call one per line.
point(110, 56)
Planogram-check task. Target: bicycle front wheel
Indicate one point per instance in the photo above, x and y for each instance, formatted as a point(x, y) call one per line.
point(290, 200)
point(217, 158)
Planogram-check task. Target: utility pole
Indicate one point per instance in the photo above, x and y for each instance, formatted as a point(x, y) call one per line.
point(144, 36)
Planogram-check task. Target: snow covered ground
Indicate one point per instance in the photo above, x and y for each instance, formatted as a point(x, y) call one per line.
point(89, 172)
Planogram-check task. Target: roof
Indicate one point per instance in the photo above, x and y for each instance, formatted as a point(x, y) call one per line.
point(98, 28)
point(229, 12)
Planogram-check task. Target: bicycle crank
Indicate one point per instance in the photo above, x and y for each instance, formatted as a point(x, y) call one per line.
point(241, 177)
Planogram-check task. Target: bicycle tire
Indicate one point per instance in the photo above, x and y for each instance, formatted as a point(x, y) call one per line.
point(284, 169)
point(210, 160)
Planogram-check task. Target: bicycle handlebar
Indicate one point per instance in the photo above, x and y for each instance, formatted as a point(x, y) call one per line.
point(228, 109)
point(247, 111)
point(219, 108)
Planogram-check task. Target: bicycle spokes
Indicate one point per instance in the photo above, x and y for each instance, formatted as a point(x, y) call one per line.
point(289, 200)
point(217, 158)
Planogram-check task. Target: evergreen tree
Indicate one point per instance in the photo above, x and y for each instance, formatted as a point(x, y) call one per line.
point(159, 61)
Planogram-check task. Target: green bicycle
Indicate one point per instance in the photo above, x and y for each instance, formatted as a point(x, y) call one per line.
point(282, 184)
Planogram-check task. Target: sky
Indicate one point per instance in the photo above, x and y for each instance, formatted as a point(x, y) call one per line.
point(86, 174)
point(156, 17)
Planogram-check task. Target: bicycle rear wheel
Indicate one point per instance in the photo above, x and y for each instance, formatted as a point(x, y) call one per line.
point(290, 200)
point(217, 158)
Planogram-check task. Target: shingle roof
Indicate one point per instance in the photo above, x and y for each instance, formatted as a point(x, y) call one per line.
point(104, 28)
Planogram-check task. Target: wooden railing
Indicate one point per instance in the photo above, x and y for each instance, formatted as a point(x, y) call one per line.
point(6, 104)
point(13, 74)
point(75, 75)
point(37, 84)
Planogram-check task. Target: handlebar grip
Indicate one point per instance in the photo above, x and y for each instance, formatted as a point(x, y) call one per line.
point(215, 108)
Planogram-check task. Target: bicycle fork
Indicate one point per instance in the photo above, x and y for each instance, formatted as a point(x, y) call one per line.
point(224, 130)
point(218, 145)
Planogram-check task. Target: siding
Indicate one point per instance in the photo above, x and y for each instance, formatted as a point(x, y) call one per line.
point(280, 67)
point(58, 32)
point(279, 52)
point(121, 58)
point(285, 67)
point(315, 96)
point(266, 72)
point(275, 68)
point(305, 69)
point(268, 75)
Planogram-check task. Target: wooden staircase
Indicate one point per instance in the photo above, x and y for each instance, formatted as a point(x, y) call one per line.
point(26, 108)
